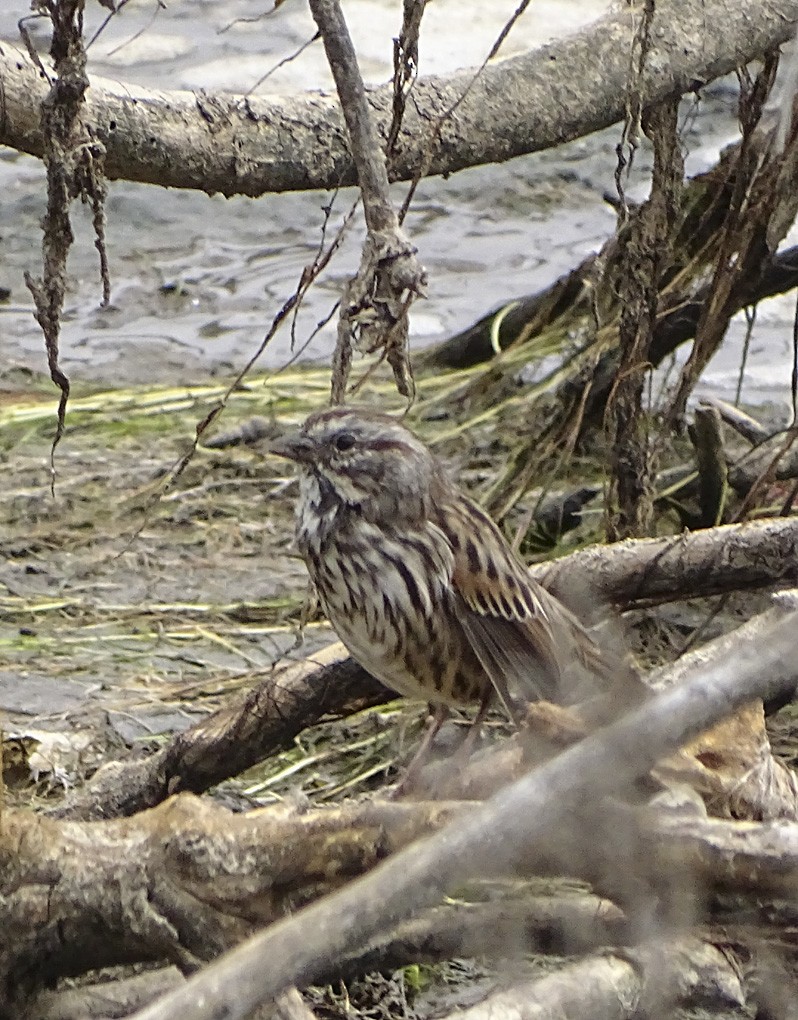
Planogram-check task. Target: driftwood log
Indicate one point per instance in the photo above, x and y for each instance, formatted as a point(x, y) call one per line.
point(253, 145)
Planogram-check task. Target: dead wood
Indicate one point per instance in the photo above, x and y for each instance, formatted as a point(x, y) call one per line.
point(644, 256)
point(180, 883)
point(707, 439)
point(512, 925)
point(527, 317)
point(760, 554)
point(745, 425)
point(762, 207)
point(706, 855)
point(775, 459)
point(729, 478)
point(231, 740)
point(291, 1006)
point(498, 835)
point(376, 301)
point(648, 980)
point(236, 145)
point(187, 880)
point(118, 998)
point(112, 998)
point(730, 766)
point(714, 227)
point(735, 557)
point(203, 875)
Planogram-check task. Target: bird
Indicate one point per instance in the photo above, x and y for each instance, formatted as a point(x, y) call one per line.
point(417, 580)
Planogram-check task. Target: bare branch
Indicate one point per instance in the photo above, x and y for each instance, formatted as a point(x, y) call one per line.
point(755, 555)
point(251, 145)
point(377, 300)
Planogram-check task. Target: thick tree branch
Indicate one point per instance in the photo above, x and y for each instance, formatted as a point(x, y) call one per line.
point(238, 145)
point(648, 980)
point(735, 557)
point(231, 740)
point(211, 877)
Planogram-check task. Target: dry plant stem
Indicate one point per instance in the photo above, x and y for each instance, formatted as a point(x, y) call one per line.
point(364, 141)
point(697, 249)
point(644, 253)
point(405, 66)
point(497, 834)
point(763, 206)
point(559, 92)
point(780, 463)
point(376, 301)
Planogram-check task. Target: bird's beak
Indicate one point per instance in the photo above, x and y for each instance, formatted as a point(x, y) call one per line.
point(295, 447)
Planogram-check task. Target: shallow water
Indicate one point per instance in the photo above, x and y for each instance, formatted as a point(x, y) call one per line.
point(197, 280)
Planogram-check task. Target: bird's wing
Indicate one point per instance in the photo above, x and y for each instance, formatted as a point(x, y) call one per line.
point(514, 626)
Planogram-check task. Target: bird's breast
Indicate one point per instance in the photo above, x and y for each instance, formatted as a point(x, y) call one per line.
point(387, 596)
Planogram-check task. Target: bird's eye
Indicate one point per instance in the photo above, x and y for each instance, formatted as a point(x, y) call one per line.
point(344, 441)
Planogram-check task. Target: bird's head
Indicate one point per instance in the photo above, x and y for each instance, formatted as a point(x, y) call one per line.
point(363, 459)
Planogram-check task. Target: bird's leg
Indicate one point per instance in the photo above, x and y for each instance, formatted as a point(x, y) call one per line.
point(466, 749)
point(453, 768)
point(439, 717)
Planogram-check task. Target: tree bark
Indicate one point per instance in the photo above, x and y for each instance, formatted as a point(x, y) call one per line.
point(652, 980)
point(191, 879)
point(251, 145)
point(734, 557)
point(232, 739)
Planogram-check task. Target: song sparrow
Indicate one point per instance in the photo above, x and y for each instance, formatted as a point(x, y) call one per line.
point(418, 582)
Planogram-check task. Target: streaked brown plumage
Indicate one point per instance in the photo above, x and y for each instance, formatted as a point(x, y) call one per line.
point(418, 582)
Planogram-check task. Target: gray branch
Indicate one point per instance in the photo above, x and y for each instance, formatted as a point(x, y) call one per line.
point(250, 145)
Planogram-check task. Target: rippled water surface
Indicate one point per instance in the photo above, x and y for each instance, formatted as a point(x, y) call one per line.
point(197, 280)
